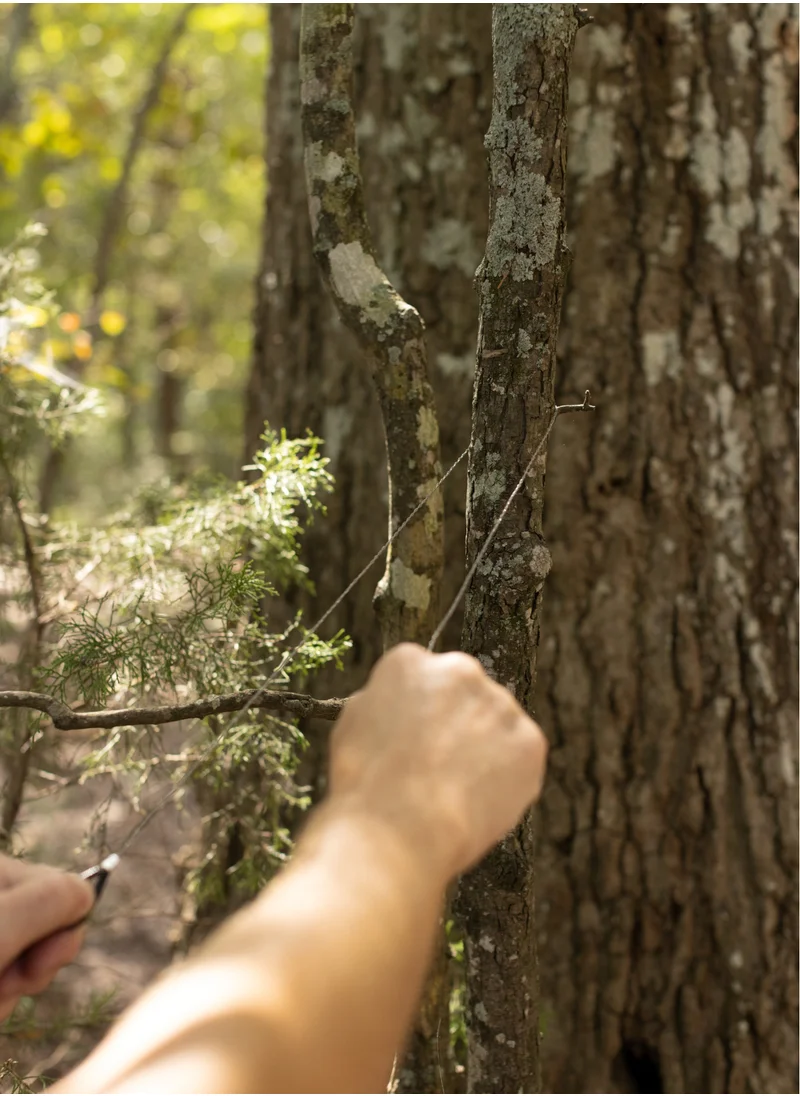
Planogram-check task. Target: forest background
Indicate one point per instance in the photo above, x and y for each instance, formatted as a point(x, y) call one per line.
point(185, 312)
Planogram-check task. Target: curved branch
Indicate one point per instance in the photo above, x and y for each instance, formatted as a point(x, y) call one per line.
point(66, 719)
point(390, 330)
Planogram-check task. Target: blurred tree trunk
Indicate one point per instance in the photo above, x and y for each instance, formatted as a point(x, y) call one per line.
point(16, 28)
point(667, 868)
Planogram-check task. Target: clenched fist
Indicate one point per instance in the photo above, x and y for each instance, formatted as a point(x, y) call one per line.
point(437, 748)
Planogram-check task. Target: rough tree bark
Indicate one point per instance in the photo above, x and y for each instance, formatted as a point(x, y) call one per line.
point(521, 284)
point(667, 863)
point(670, 518)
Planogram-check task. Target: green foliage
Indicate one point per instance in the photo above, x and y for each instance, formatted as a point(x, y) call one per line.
point(184, 571)
point(176, 311)
point(26, 1023)
point(14, 1081)
point(458, 995)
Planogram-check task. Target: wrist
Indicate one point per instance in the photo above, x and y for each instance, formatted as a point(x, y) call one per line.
point(353, 827)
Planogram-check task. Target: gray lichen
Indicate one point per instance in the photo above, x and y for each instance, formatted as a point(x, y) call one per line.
point(527, 214)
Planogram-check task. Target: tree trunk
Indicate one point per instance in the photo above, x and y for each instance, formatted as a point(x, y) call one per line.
point(667, 864)
point(521, 282)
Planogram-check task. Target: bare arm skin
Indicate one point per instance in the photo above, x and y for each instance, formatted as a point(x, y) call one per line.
point(313, 986)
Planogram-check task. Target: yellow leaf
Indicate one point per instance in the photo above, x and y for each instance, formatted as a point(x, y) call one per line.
point(112, 323)
point(109, 374)
point(53, 190)
point(58, 349)
point(110, 169)
point(52, 39)
point(67, 144)
point(58, 119)
point(34, 134)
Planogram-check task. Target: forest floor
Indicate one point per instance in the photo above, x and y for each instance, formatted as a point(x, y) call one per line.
point(129, 938)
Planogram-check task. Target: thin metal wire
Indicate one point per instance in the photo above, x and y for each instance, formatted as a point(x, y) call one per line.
point(559, 410)
point(487, 543)
point(288, 655)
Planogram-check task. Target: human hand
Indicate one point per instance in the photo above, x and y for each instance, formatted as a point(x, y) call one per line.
point(434, 745)
point(38, 904)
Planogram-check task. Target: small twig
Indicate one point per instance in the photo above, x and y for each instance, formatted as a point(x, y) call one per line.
point(66, 719)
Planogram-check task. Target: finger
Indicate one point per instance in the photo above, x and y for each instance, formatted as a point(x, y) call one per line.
point(39, 906)
point(35, 969)
point(51, 954)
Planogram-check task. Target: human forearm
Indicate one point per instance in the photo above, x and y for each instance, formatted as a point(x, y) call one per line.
point(311, 988)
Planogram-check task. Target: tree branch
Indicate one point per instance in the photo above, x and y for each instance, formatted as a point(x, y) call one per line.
point(66, 719)
point(19, 758)
point(387, 327)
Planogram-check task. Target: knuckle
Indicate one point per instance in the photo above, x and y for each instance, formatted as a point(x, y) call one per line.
point(463, 667)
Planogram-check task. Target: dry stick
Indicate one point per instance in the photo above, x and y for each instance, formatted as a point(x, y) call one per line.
point(65, 718)
point(560, 410)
